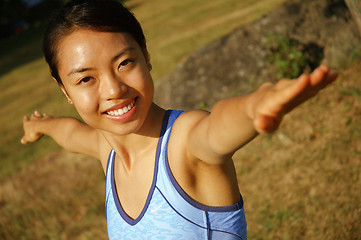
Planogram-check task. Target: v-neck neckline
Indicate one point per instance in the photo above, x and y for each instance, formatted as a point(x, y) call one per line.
point(120, 209)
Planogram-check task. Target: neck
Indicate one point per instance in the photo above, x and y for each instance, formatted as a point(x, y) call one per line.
point(140, 144)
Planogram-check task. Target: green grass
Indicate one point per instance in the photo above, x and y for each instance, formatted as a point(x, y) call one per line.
point(303, 182)
point(173, 30)
point(30, 208)
point(24, 90)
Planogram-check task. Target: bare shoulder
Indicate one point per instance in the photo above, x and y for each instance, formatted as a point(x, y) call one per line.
point(188, 120)
point(180, 160)
point(184, 125)
point(188, 141)
point(192, 165)
point(190, 135)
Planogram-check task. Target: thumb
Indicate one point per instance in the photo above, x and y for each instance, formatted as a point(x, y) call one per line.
point(266, 124)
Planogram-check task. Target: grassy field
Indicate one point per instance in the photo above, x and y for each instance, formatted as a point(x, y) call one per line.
point(302, 182)
point(176, 28)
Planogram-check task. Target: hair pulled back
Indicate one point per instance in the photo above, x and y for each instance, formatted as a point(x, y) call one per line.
point(96, 15)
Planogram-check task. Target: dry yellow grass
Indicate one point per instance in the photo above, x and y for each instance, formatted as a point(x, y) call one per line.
point(176, 28)
point(303, 182)
point(28, 87)
point(60, 196)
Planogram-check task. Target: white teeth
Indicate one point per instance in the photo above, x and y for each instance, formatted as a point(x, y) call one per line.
point(122, 110)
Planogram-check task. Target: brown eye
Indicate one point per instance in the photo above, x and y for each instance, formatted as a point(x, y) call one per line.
point(124, 63)
point(84, 80)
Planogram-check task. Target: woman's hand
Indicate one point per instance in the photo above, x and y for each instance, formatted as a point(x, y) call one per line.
point(275, 100)
point(31, 131)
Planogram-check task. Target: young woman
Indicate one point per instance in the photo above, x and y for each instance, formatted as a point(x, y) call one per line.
point(169, 174)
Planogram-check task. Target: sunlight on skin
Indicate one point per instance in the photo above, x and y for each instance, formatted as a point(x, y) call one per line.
point(288, 94)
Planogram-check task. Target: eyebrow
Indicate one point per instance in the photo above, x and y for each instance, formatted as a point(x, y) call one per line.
point(79, 70)
point(116, 57)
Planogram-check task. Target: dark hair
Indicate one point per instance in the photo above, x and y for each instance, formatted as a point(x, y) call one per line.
point(97, 15)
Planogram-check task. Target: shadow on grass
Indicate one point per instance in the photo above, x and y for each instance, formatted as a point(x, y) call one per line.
point(21, 48)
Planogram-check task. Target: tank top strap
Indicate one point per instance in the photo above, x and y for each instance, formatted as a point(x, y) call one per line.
point(166, 184)
point(107, 176)
point(179, 199)
point(171, 116)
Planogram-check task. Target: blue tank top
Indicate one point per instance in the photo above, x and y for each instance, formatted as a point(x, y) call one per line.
point(169, 213)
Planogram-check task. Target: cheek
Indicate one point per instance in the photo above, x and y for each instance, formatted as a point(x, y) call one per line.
point(85, 104)
point(143, 82)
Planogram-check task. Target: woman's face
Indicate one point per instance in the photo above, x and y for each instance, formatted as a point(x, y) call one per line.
point(107, 78)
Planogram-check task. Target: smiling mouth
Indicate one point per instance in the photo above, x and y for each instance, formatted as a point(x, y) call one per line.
point(122, 110)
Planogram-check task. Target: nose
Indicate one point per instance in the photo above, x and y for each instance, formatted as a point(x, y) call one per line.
point(112, 88)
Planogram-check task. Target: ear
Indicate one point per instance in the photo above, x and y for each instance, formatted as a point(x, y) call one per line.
point(64, 91)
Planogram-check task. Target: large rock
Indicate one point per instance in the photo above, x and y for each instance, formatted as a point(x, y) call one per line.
point(237, 63)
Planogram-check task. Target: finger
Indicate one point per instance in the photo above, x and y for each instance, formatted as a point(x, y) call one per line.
point(25, 119)
point(295, 88)
point(37, 114)
point(23, 141)
point(34, 116)
point(302, 83)
point(332, 77)
point(320, 76)
point(324, 80)
point(324, 68)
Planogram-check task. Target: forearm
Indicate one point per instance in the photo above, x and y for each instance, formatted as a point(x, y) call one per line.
point(236, 121)
point(60, 129)
point(231, 123)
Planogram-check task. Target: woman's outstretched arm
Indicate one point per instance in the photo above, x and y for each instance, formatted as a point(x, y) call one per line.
point(234, 122)
point(69, 133)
